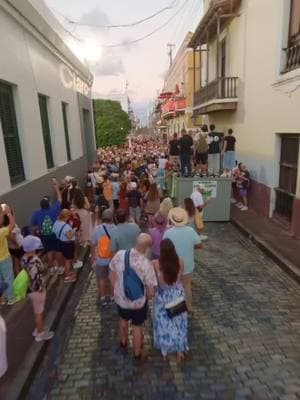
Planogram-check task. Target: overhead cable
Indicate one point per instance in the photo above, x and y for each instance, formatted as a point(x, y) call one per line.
point(130, 24)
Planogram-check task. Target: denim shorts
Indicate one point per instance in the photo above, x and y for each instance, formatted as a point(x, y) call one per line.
point(138, 317)
point(229, 160)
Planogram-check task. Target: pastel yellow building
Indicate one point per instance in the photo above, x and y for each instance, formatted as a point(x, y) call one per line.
point(182, 79)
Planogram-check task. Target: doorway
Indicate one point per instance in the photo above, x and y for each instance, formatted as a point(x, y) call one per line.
point(288, 173)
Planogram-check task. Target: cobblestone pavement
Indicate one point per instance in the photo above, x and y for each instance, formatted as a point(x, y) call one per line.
point(244, 336)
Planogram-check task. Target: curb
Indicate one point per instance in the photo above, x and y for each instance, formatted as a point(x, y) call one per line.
point(22, 381)
point(277, 257)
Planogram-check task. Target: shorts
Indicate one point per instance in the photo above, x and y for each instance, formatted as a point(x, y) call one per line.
point(102, 271)
point(18, 253)
point(243, 192)
point(137, 317)
point(67, 249)
point(50, 243)
point(201, 158)
point(38, 300)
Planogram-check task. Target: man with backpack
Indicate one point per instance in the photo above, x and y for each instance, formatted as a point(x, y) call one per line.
point(101, 255)
point(42, 222)
point(133, 278)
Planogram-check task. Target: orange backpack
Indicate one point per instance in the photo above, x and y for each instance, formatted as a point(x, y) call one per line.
point(104, 245)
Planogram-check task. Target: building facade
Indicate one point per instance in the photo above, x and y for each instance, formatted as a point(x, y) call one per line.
point(251, 83)
point(182, 78)
point(46, 115)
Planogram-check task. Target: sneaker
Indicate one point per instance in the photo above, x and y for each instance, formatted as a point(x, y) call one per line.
point(13, 301)
point(70, 279)
point(233, 201)
point(244, 208)
point(203, 237)
point(78, 264)
point(60, 270)
point(103, 301)
point(3, 301)
point(239, 205)
point(44, 336)
point(34, 333)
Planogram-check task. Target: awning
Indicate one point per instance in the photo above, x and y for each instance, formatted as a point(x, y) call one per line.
point(217, 8)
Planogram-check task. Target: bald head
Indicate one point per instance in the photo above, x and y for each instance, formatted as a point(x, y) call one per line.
point(143, 243)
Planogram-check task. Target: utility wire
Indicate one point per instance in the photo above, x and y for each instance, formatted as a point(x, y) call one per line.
point(126, 43)
point(78, 23)
point(151, 33)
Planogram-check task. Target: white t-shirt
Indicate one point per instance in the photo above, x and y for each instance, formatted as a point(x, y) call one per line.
point(197, 198)
point(162, 163)
point(95, 178)
point(3, 357)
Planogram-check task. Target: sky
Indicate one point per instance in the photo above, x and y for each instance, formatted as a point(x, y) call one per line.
point(142, 64)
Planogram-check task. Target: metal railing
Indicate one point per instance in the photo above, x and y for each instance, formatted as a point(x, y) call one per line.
point(292, 57)
point(221, 88)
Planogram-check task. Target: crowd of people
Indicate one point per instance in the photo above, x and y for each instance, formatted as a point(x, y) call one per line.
point(141, 247)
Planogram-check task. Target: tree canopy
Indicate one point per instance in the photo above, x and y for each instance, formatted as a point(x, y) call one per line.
point(112, 123)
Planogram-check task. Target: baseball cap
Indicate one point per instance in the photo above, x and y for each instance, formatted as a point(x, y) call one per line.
point(31, 243)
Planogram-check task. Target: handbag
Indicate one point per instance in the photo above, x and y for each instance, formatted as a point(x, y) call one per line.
point(133, 286)
point(21, 284)
point(199, 220)
point(176, 307)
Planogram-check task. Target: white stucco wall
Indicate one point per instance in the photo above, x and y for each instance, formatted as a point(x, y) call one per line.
point(269, 102)
point(32, 68)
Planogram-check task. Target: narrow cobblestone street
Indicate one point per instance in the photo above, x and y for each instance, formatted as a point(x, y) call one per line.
point(244, 336)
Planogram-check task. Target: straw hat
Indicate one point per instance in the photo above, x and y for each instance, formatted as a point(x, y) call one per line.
point(178, 216)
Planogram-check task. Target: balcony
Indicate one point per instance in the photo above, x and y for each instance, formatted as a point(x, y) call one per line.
point(218, 95)
point(292, 57)
point(173, 107)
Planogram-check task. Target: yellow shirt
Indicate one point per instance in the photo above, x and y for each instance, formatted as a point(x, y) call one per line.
point(4, 252)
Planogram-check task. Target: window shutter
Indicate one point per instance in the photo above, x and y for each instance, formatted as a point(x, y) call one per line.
point(64, 112)
point(46, 130)
point(11, 135)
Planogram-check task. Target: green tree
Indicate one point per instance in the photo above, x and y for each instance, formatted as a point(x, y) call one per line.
point(112, 123)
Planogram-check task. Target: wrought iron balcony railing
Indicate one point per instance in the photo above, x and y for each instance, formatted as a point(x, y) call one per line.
point(292, 57)
point(221, 88)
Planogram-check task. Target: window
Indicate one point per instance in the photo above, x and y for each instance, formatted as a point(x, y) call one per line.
point(64, 112)
point(286, 191)
point(11, 135)
point(294, 34)
point(46, 130)
point(293, 47)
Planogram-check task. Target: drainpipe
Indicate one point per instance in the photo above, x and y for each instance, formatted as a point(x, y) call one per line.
point(207, 57)
point(194, 55)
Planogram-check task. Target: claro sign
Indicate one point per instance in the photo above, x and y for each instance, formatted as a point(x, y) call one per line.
point(71, 80)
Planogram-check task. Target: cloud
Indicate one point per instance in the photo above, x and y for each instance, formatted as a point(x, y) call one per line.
point(108, 65)
point(95, 17)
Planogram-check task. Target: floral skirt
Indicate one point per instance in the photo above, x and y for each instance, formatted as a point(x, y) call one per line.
point(169, 334)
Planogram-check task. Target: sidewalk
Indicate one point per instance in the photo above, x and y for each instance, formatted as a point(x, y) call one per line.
point(23, 353)
point(271, 238)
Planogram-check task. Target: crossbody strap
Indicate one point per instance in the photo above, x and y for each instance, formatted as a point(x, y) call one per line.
point(106, 231)
point(127, 254)
point(60, 232)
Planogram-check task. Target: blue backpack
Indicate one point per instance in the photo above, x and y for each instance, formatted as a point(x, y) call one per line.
point(133, 286)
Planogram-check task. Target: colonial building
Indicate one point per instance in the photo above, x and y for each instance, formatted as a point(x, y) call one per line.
point(251, 83)
point(46, 115)
point(182, 78)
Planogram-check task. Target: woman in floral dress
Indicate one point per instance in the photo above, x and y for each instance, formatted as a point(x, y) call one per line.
point(170, 334)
